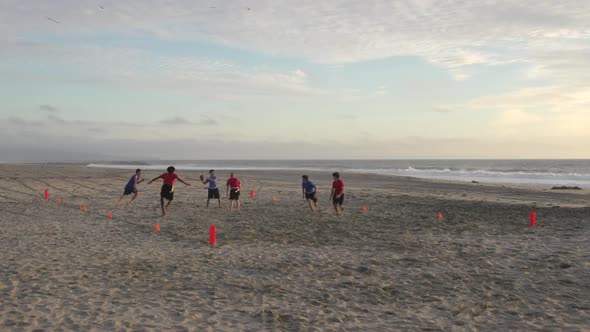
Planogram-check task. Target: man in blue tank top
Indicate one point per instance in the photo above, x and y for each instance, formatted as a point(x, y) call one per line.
point(131, 187)
point(212, 189)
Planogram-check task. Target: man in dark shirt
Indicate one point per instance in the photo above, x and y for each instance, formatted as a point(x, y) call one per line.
point(337, 194)
point(309, 190)
point(131, 187)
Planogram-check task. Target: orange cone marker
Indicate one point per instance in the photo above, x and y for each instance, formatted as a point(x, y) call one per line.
point(157, 227)
point(110, 215)
point(252, 194)
point(84, 209)
point(365, 209)
point(533, 219)
point(58, 201)
point(212, 235)
point(440, 216)
point(274, 198)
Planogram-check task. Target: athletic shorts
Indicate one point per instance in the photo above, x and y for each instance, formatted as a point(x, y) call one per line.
point(129, 191)
point(338, 200)
point(311, 196)
point(213, 193)
point(167, 192)
point(234, 194)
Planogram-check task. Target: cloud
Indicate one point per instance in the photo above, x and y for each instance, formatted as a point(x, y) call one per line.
point(48, 108)
point(57, 119)
point(549, 40)
point(535, 112)
point(177, 121)
point(37, 147)
point(140, 69)
point(379, 92)
point(18, 121)
point(98, 130)
point(53, 124)
point(348, 117)
point(517, 118)
point(553, 97)
point(61, 121)
point(442, 110)
point(180, 121)
point(207, 121)
point(453, 34)
point(460, 58)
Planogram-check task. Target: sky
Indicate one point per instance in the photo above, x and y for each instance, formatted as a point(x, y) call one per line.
point(188, 79)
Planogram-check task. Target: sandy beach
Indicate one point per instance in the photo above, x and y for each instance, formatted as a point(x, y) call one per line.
point(277, 266)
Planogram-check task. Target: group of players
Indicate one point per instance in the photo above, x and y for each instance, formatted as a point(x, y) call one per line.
point(233, 189)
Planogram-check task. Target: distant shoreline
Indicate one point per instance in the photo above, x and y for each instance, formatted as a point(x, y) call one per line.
point(519, 173)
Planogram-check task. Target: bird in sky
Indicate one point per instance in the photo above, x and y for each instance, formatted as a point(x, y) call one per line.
point(52, 20)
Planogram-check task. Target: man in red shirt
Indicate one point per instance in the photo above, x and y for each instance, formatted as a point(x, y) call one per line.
point(167, 192)
point(233, 191)
point(337, 194)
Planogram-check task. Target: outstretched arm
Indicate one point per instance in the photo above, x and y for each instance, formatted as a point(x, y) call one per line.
point(154, 179)
point(180, 180)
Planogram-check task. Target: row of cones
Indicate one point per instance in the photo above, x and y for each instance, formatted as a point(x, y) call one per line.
point(109, 214)
point(85, 208)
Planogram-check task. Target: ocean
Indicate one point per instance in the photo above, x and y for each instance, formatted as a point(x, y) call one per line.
point(527, 172)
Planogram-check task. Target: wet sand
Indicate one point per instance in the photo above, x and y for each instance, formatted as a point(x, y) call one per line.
point(278, 266)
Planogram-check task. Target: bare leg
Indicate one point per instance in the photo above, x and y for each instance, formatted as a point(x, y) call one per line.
point(310, 202)
point(208, 202)
point(219, 200)
point(239, 204)
point(163, 206)
point(134, 197)
point(336, 209)
point(119, 201)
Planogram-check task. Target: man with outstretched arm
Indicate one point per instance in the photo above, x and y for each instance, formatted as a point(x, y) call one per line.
point(167, 192)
